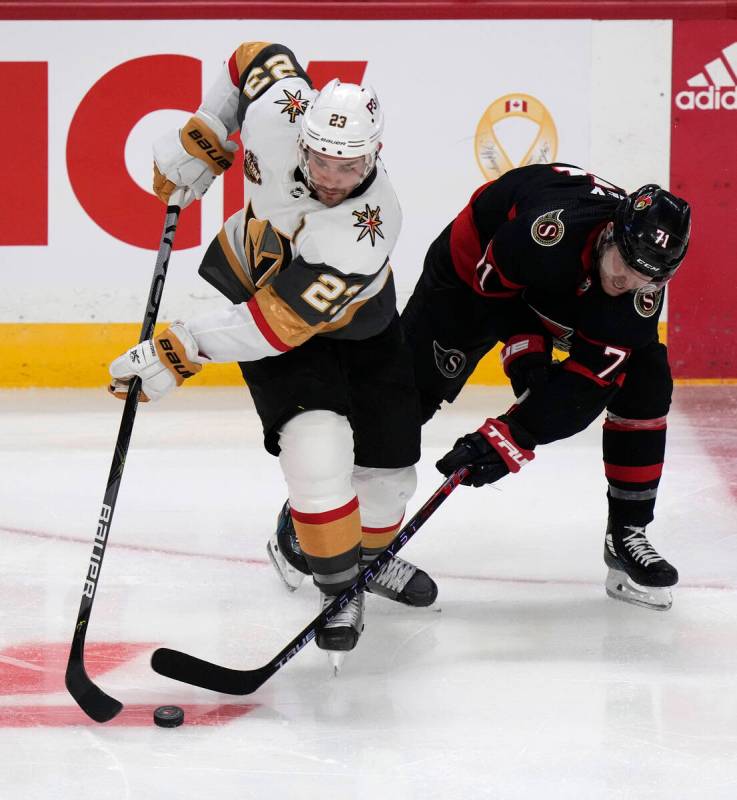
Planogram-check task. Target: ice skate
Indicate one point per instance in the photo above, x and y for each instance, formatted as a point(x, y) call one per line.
point(400, 580)
point(638, 574)
point(285, 553)
point(403, 582)
point(342, 632)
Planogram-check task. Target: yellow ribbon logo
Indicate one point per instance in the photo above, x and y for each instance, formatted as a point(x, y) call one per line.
point(491, 156)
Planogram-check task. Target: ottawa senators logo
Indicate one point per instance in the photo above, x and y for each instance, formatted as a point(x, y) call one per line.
point(647, 302)
point(450, 362)
point(562, 334)
point(643, 202)
point(548, 228)
point(250, 167)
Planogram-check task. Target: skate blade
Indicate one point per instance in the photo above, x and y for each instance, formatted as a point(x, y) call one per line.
point(290, 577)
point(620, 586)
point(336, 659)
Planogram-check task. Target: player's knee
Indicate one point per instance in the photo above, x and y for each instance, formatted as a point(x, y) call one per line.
point(317, 460)
point(383, 493)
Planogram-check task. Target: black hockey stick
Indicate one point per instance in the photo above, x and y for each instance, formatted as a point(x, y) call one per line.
point(188, 669)
point(90, 698)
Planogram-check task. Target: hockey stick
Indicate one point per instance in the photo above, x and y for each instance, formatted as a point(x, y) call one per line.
point(188, 669)
point(90, 698)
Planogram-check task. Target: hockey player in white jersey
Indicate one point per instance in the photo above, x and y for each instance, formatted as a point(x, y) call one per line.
point(313, 322)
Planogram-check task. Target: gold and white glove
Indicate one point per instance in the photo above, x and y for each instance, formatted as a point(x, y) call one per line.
point(162, 363)
point(192, 158)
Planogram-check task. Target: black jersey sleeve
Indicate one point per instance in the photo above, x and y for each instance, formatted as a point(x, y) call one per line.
point(609, 331)
point(255, 66)
point(564, 405)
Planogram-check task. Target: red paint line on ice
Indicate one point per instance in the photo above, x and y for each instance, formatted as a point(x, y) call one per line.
point(134, 547)
point(262, 562)
point(38, 667)
point(132, 716)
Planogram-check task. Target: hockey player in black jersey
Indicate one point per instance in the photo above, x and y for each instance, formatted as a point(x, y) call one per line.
point(551, 255)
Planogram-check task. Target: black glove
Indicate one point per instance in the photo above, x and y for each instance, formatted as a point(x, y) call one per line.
point(490, 453)
point(527, 361)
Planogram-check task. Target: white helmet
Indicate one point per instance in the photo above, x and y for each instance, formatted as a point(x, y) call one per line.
point(345, 121)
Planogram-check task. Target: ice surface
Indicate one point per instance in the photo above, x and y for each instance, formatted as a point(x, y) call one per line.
point(530, 683)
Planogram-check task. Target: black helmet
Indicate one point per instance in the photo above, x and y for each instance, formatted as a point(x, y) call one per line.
point(651, 230)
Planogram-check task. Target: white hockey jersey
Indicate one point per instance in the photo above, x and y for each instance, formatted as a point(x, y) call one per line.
point(292, 267)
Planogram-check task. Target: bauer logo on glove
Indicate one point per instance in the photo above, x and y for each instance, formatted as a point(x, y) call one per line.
point(161, 363)
point(214, 154)
point(192, 158)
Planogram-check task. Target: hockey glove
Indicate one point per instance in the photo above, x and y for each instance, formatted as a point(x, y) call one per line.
point(161, 363)
point(490, 453)
point(192, 158)
point(527, 361)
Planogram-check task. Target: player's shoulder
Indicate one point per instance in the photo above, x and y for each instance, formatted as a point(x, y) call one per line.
point(272, 123)
point(563, 177)
point(639, 312)
point(283, 102)
point(629, 320)
point(269, 79)
point(559, 207)
point(547, 245)
point(256, 66)
point(357, 235)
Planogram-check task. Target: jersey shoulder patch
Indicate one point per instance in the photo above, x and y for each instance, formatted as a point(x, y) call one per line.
point(647, 303)
point(259, 68)
point(548, 229)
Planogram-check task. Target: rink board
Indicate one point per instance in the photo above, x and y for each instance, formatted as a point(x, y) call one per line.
point(82, 253)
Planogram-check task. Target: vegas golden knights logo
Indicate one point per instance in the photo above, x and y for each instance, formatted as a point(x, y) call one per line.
point(491, 156)
point(267, 249)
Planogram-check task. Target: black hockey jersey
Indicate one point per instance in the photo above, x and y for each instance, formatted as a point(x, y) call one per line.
point(530, 238)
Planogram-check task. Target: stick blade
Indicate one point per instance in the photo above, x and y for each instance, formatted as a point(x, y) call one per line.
point(90, 698)
point(188, 669)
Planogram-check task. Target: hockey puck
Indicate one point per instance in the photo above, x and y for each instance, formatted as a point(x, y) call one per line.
point(168, 716)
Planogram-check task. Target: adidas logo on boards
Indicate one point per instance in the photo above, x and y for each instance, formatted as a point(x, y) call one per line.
point(714, 88)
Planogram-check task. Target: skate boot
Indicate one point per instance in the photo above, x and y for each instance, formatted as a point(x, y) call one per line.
point(285, 553)
point(400, 580)
point(343, 631)
point(638, 574)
